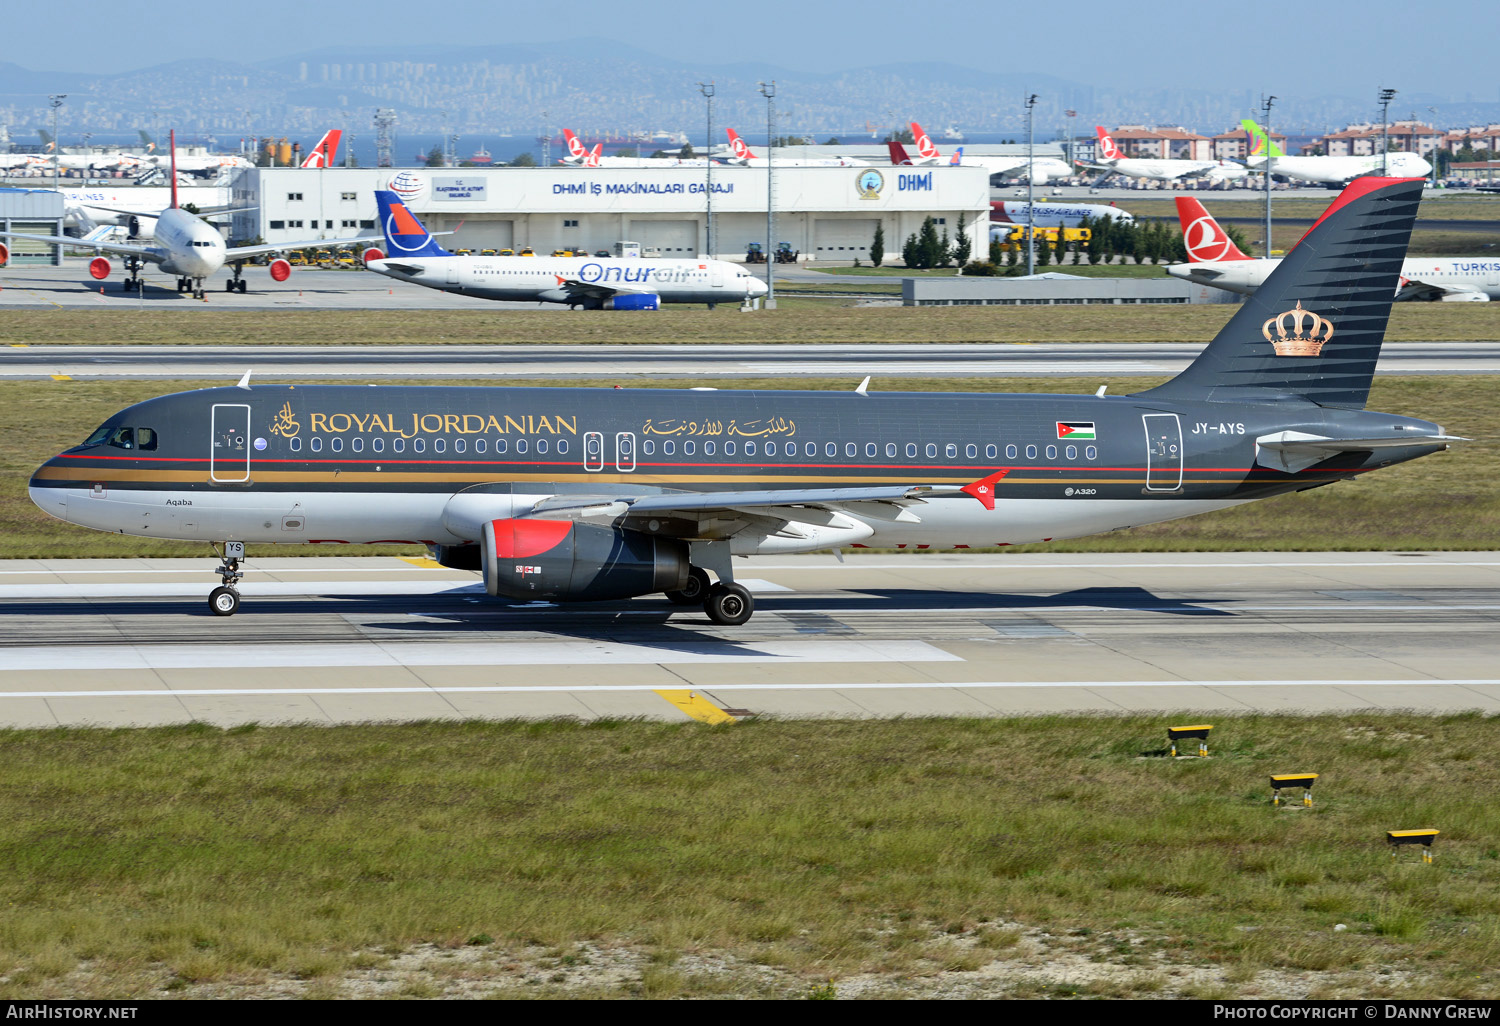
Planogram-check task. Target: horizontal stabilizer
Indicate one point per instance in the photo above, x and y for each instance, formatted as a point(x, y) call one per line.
point(1293, 451)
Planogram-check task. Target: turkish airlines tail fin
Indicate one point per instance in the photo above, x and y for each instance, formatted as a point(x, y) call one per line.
point(1313, 330)
point(592, 160)
point(898, 153)
point(323, 154)
point(575, 145)
point(1107, 148)
point(741, 151)
point(926, 148)
point(1204, 237)
point(404, 234)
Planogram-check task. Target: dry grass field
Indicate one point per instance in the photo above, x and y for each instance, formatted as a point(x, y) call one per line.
point(1048, 856)
point(797, 321)
point(1447, 501)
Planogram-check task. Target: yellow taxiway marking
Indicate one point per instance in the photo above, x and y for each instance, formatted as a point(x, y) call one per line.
point(696, 706)
point(423, 562)
point(19, 345)
point(61, 377)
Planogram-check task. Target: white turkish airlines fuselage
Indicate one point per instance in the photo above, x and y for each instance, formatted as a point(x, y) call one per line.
point(1341, 170)
point(1449, 279)
point(1165, 170)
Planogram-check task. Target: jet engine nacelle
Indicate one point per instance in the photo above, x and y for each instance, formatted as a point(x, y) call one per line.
point(141, 227)
point(648, 301)
point(573, 562)
point(4, 254)
point(372, 254)
point(99, 268)
point(280, 270)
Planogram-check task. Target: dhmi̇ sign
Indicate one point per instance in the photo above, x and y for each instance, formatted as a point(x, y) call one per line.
point(914, 183)
point(459, 189)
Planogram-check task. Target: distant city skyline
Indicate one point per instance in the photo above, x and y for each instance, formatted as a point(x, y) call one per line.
point(1273, 46)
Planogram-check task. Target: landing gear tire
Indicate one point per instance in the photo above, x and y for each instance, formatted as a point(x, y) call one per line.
point(229, 285)
point(728, 604)
point(241, 284)
point(694, 593)
point(224, 601)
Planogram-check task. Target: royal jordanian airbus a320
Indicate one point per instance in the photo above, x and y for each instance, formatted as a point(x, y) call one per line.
point(588, 494)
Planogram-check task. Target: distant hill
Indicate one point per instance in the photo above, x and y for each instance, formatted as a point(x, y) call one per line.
point(596, 85)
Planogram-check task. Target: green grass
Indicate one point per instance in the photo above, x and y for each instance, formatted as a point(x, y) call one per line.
point(1447, 501)
point(1438, 206)
point(798, 320)
point(793, 855)
point(1083, 270)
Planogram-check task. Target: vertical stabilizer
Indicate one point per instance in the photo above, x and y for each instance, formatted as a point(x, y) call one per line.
point(326, 151)
point(898, 153)
point(404, 234)
point(1107, 148)
point(1205, 238)
point(741, 150)
point(926, 148)
point(1313, 331)
point(1261, 145)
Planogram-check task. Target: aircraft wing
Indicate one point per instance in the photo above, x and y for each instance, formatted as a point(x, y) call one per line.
point(1292, 451)
point(722, 514)
point(575, 289)
point(1411, 288)
point(145, 252)
point(241, 252)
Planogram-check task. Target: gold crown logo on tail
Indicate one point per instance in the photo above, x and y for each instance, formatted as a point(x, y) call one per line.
point(1297, 332)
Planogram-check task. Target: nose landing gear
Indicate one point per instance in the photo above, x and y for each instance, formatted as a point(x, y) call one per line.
point(236, 284)
point(225, 599)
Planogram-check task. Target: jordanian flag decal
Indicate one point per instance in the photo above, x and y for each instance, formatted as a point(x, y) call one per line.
point(1076, 430)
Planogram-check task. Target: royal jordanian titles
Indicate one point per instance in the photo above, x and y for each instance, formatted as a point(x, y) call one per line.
point(594, 283)
point(185, 245)
point(567, 494)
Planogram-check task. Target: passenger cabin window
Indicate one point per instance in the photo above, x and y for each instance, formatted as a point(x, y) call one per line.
point(647, 446)
point(541, 445)
point(501, 445)
point(521, 445)
point(459, 445)
point(1071, 452)
point(950, 451)
point(398, 445)
point(990, 452)
point(750, 449)
point(357, 444)
point(1010, 452)
point(708, 448)
point(377, 444)
point(890, 450)
point(688, 448)
point(479, 445)
point(336, 444)
point(831, 449)
point(419, 445)
point(439, 444)
point(669, 447)
point(931, 451)
point(1052, 452)
point(296, 445)
point(317, 444)
point(1031, 452)
point(1091, 453)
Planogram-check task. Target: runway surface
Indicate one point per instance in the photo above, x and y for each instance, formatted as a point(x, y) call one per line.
point(340, 640)
point(717, 361)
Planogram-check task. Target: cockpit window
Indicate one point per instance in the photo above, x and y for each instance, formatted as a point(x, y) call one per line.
point(126, 438)
point(99, 435)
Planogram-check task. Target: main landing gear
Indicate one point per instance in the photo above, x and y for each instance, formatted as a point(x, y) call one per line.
point(225, 599)
point(726, 603)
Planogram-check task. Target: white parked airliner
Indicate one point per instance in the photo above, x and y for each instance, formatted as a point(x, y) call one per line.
point(594, 283)
point(1158, 169)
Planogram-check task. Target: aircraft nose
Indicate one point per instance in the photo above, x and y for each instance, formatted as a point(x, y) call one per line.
point(50, 500)
point(757, 287)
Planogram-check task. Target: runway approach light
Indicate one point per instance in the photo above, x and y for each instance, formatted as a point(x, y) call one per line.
point(1302, 780)
point(1396, 838)
point(1200, 732)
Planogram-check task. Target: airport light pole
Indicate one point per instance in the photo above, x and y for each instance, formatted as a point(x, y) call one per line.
point(707, 89)
point(1030, 193)
point(1386, 96)
point(57, 101)
point(546, 139)
point(768, 90)
point(1265, 106)
point(1434, 150)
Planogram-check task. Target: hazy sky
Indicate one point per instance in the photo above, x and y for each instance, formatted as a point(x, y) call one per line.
point(1272, 45)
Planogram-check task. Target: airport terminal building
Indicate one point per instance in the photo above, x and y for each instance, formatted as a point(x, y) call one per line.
point(825, 213)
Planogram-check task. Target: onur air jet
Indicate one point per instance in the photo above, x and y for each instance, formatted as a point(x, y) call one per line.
point(185, 245)
point(578, 495)
point(1214, 259)
point(594, 283)
point(1043, 169)
point(1112, 161)
point(1333, 171)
